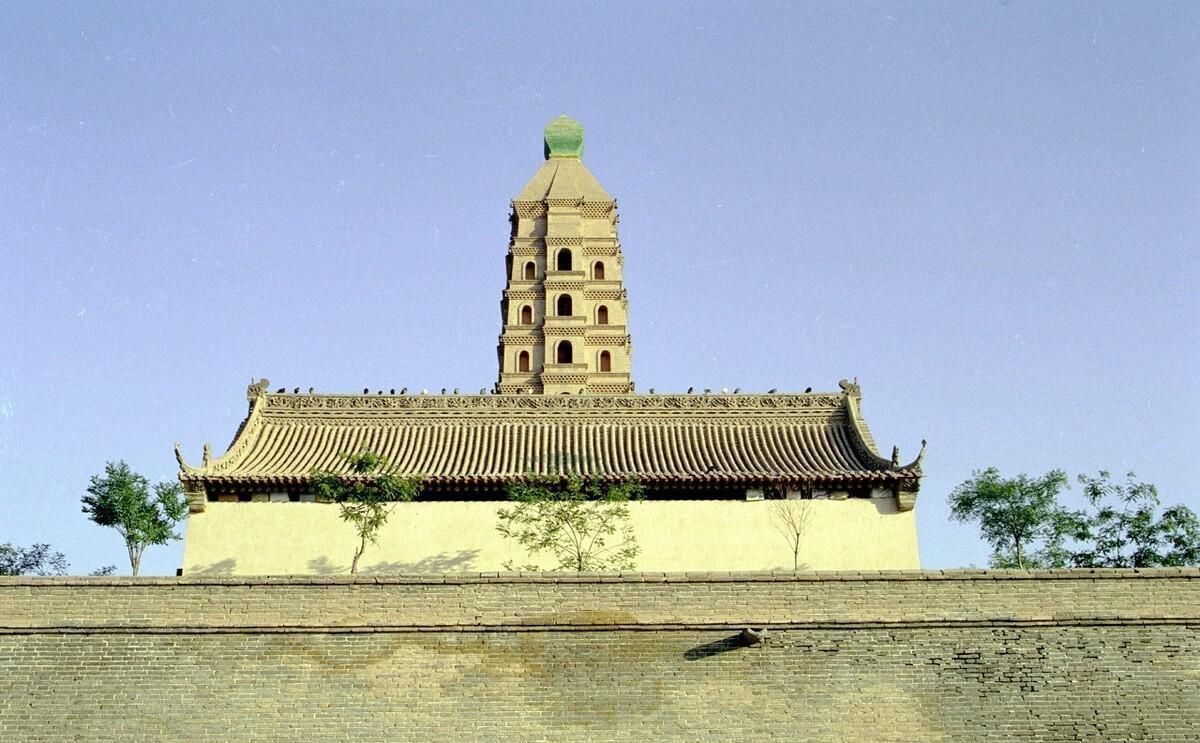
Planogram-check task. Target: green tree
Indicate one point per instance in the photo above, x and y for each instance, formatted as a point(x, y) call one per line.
point(37, 559)
point(1119, 528)
point(366, 497)
point(121, 499)
point(1019, 517)
point(582, 524)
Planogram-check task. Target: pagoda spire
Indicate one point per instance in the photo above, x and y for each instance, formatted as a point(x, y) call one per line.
point(564, 307)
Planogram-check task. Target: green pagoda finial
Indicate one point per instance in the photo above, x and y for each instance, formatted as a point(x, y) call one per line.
point(564, 138)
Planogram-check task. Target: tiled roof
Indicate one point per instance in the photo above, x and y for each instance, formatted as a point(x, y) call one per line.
point(690, 440)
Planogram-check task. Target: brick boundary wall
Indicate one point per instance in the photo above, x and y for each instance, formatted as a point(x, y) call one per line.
point(545, 601)
point(935, 655)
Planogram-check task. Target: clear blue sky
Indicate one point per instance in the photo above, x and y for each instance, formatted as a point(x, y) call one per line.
point(987, 212)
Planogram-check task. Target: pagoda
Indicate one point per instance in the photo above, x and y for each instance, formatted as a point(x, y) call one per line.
point(564, 404)
point(565, 306)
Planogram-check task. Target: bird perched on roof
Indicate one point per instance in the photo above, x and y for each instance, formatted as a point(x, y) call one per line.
point(651, 390)
point(691, 389)
point(443, 390)
point(424, 391)
point(296, 391)
point(483, 390)
point(707, 391)
point(366, 390)
point(404, 391)
point(736, 390)
point(772, 391)
point(807, 390)
point(392, 391)
point(310, 390)
point(456, 390)
point(282, 389)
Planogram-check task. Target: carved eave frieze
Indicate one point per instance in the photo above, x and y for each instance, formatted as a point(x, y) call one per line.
point(597, 209)
point(526, 294)
point(615, 295)
point(608, 340)
point(706, 404)
point(529, 209)
point(530, 340)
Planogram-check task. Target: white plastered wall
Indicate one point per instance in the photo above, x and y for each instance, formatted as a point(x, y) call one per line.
point(460, 536)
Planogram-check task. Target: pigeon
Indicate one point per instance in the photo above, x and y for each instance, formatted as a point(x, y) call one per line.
point(736, 390)
point(456, 390)
point(691, 389)
point(404, 391)
point(424, 391)
point(772, 391)
point(807, 390)
point(282, 389)
point(483, 390)
point(707, 391)
point(651, 390)
point(296, 391)
point(366, 390)
point(392, 391)
point(443, 390)
point(310, 390)
point(724, 390)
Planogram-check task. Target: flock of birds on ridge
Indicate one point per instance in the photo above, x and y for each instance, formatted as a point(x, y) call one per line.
point(485, 391)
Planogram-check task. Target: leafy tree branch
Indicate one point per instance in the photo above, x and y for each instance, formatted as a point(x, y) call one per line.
point(1017, 516)
point(1027, 527)
point(582, 524)
point(1119, 527)
point(121, 499)
point(37, 559)
point(366, 497)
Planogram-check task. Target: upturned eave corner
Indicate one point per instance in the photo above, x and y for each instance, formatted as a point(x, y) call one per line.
point(185, 469)
point(194, 478)
point(908, 482)
point(189, 477)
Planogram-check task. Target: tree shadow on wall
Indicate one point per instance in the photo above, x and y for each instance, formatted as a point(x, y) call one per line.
point(803, 567)
point(323, 566)
point(224, 567)
point(716, 647)
point(443, 562)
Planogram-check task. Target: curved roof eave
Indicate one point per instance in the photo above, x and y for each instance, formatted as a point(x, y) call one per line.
point(863, 444)
point(256, 395)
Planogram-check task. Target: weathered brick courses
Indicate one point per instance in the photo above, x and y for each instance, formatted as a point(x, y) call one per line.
point(958, 655)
